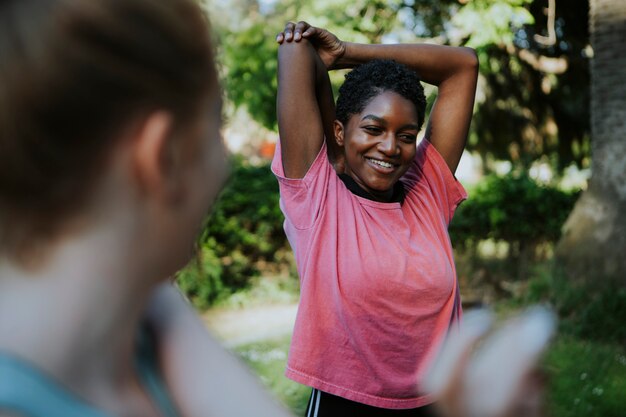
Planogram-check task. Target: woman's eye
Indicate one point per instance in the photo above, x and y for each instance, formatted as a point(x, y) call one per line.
point(372, 129)
point(408, 138)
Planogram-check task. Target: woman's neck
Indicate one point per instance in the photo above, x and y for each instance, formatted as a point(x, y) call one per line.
point(396, 194)
point(77, 317)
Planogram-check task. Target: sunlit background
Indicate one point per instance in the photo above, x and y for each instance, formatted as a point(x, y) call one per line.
point(528, 159)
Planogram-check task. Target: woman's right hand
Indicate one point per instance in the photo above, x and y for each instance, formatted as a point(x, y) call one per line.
point(329, 48)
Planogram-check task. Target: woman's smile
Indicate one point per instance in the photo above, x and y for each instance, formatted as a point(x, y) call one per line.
point(380, 143)
point(381, 165)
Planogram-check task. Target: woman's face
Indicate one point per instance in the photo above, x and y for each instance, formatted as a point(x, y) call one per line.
point(204, 171)
point(208, 164)
point(379, 143)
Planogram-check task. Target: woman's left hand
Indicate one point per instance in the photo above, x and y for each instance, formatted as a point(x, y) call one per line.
point(328, 46)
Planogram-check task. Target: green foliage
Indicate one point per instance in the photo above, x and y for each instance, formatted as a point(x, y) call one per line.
point(246, 223)
point(244, 230)
point(518, 217)
point(595, 311)
point(585, 378)
point(512, 208)
point(250, 61)
point(267, 359)
point(533, 103)
point(359, 20)
point(489, 22)
point(200, 280)
point(279, 289)
point(535, 97)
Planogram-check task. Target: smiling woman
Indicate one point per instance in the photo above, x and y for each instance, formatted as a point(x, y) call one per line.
point(367, 211)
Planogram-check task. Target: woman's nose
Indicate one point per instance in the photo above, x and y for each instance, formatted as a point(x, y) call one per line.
point(388, 145)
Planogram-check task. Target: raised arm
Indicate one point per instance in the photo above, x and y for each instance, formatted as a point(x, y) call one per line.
point(453, 70)
point(305, 105)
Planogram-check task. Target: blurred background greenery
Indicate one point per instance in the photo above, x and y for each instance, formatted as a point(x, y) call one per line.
point(528, 160)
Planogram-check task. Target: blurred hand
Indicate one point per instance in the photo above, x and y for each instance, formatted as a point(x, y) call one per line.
point(500, 379)
point(203, 377)
point(329, 48)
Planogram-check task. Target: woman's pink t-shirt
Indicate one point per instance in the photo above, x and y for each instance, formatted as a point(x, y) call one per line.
point(378, 284)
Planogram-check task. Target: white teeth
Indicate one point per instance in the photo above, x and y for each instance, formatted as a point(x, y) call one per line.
point(381, 163)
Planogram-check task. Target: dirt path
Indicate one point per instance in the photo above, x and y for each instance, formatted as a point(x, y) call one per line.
point(240, 327)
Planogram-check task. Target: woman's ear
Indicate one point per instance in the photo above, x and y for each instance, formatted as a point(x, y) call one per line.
point(338, 127)
point(155, 156)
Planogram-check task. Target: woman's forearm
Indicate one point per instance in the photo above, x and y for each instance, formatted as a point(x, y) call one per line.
point(454, 70)
point(305, 107)
point(434, 63)
point(326, 103)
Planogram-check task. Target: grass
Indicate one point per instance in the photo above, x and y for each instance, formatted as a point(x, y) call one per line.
point(585, 364)
point(267, 359)
point(264, 290)
point(585, 378)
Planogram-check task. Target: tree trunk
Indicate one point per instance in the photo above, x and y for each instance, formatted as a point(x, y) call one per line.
point(593, 245)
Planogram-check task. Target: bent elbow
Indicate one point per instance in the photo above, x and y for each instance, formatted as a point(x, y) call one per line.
point(470, 57)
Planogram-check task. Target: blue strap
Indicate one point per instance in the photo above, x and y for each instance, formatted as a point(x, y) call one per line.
point(147, 366)
point(28, 392)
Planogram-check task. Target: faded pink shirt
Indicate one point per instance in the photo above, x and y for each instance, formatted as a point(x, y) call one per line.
point(378, 283)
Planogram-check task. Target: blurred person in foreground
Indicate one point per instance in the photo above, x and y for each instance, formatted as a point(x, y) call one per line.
point(110, 157)
point(479, 373)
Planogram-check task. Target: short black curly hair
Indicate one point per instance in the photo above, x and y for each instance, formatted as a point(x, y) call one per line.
point(369, 80)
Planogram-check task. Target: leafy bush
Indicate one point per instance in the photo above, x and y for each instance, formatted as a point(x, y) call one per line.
point(589, 310)
point(251, 66)
point(200, 280)
point(244, 230)
point(512, 209)
point(246, 224)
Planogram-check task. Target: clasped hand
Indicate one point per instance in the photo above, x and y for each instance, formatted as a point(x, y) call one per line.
point(328, 46)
